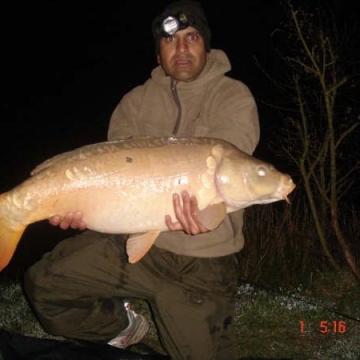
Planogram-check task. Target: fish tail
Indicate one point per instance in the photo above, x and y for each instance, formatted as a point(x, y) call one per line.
point(9, 237)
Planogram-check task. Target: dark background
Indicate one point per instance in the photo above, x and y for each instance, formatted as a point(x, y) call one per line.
point(65, 66)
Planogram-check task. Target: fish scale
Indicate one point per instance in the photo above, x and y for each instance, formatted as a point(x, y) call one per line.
point(126, 187)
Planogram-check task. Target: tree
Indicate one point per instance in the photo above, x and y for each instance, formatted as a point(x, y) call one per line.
point(321, 116)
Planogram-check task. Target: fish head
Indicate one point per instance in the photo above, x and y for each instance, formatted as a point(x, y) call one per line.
point(243, 180)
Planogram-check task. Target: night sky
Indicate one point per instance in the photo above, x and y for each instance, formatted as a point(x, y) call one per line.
point(65, 67)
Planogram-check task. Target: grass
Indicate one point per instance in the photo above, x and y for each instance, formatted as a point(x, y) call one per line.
point(286, 323)
point(270, 323)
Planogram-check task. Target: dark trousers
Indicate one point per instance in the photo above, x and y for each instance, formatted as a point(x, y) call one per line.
point(77, 291)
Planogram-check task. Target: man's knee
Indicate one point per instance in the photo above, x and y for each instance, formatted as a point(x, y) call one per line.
point(34, 280)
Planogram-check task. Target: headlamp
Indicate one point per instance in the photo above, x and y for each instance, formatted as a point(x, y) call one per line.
point(171, 24)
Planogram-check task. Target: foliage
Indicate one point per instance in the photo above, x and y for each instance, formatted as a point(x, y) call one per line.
point(281, 247)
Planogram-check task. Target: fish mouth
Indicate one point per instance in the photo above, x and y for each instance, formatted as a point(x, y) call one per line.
point(287, 189)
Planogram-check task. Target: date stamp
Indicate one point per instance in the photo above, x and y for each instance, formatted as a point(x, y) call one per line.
point(326, 326)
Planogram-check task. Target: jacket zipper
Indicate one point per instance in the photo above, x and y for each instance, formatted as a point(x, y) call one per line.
point(178, 105)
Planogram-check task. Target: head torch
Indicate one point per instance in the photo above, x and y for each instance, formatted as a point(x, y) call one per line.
point(171, 24)
point(178, 16)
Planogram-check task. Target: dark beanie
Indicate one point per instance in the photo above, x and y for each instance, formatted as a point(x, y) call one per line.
point(193, 12)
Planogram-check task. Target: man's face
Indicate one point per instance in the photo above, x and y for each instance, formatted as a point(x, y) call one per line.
point(183, 55)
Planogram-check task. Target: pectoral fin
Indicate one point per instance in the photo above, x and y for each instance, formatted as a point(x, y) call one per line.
point(212, 216)
point(138, 245)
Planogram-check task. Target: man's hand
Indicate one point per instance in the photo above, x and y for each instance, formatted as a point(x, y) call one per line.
point(70, 220)
point(185, 215)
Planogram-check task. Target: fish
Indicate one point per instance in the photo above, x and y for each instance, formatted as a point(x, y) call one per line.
point(126, 187)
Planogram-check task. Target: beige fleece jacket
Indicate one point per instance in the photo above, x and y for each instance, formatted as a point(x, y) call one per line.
point(214, 105)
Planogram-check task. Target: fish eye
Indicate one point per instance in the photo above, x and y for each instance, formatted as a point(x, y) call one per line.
point(262, 171)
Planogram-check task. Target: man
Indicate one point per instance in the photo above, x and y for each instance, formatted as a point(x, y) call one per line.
point(189, 276)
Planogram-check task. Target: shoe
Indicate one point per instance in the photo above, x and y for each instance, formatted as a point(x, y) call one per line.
point(135, 331)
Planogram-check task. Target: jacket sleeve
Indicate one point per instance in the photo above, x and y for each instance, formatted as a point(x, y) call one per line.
point(124, 121)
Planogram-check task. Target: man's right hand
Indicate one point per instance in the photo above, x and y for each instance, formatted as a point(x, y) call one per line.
point(185, 215)
point(73, 220)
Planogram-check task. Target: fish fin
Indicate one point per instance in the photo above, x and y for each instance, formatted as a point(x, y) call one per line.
point(212, 216)
point(9, 239)
point(137, 245)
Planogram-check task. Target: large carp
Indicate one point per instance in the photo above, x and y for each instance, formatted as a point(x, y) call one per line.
point(126, 187)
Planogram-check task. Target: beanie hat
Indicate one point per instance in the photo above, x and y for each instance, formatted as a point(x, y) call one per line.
point(187, 13)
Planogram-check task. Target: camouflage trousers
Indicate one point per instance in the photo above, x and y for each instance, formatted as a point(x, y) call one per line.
point(77, 291)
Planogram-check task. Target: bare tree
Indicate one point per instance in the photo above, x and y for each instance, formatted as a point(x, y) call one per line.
point(318, 79)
